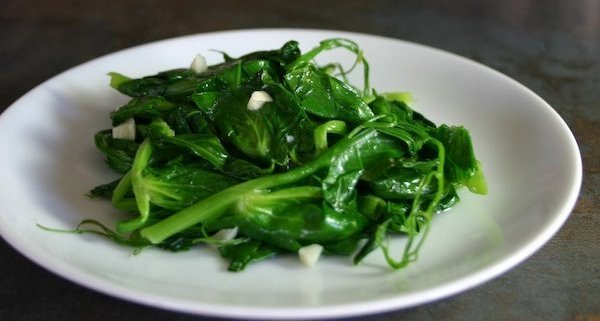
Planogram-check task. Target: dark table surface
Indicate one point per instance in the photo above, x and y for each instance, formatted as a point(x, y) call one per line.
point(551, 46)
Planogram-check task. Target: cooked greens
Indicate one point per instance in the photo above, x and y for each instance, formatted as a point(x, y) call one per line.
point(282, 151)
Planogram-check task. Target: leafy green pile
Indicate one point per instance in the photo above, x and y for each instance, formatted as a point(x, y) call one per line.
point(320, 162)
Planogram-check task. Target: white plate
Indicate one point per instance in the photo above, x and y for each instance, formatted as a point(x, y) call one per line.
point(49, 162)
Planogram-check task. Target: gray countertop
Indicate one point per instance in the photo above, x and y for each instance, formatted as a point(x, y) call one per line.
point(551, 46)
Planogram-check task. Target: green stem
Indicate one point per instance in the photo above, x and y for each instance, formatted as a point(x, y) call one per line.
point(142, 198)
point(121, 189)
point(320, 134)
point(410, 250)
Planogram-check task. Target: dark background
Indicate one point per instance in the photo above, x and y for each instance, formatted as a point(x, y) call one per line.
point(551, 46)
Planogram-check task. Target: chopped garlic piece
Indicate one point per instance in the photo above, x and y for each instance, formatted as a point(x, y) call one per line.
point(258, 99)
point(199, 64)
point(226, 234)
point(125, 130)
point(309, 255)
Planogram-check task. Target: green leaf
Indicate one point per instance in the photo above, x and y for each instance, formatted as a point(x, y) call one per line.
point(240, 255)
point(461, 165)
point(104, 190)
point(155, 85)
point(261, 135)
point(206, 146)
point(401, 183)
point(245, 170)
point(325, 96)
point(292, 217)
point(119, 152)
point(346, 167)
point(142, 107)
point(178, 186)
point(117, 79)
